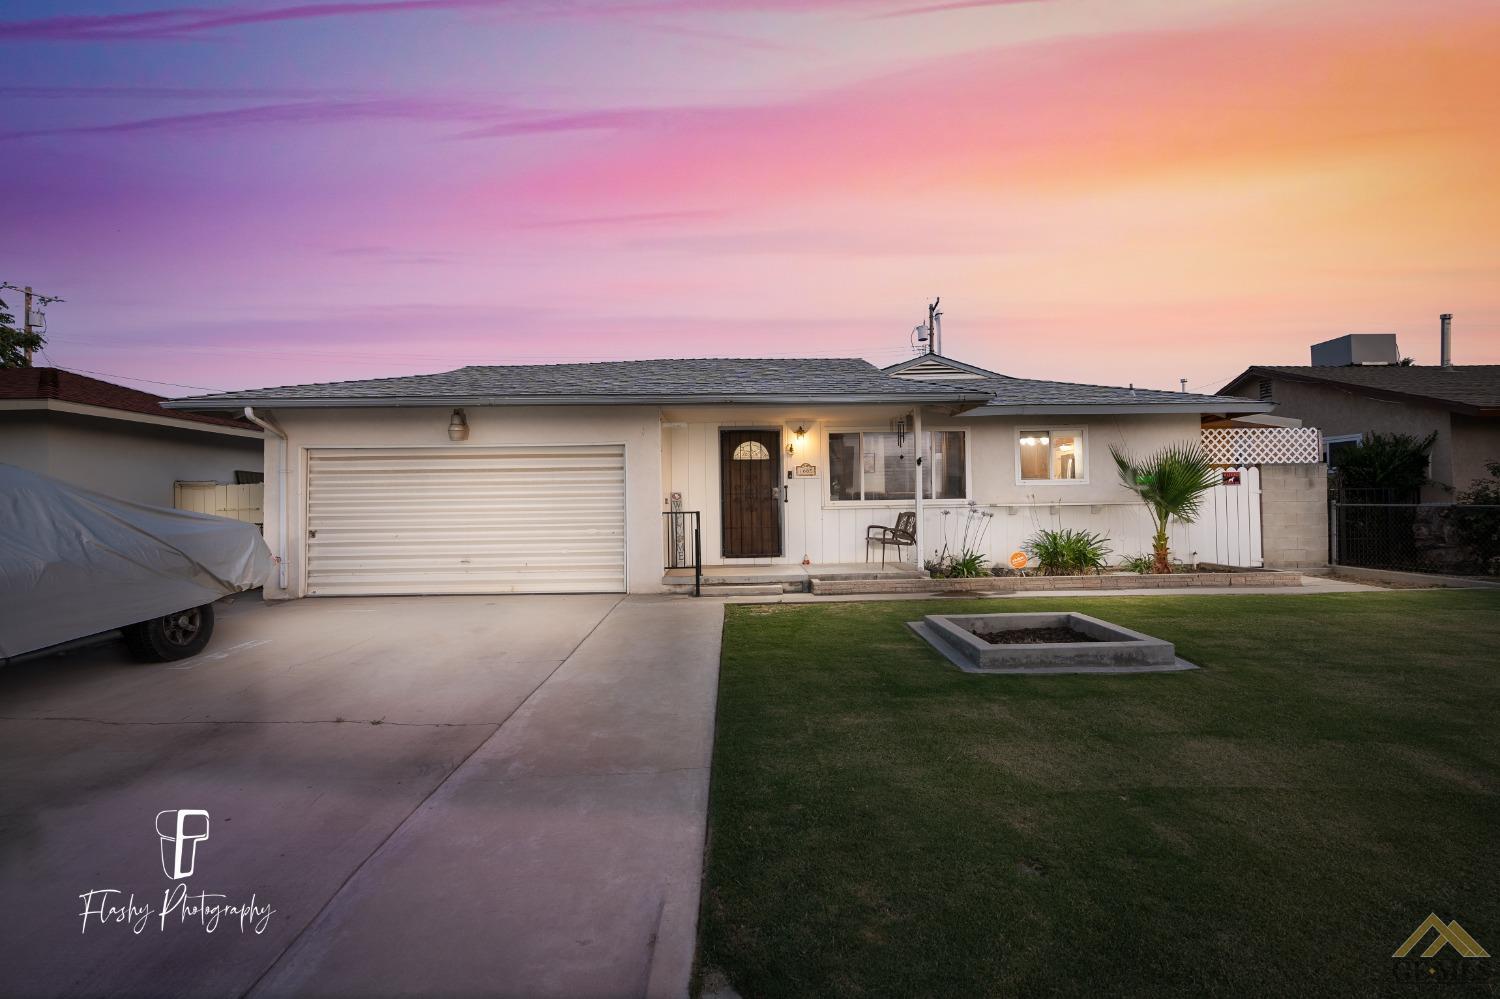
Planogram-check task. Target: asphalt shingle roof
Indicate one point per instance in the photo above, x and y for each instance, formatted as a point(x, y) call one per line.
point(1008, 391)
point(705, 379)
point(65, 386)
point(1475, 386)
point(671, 378)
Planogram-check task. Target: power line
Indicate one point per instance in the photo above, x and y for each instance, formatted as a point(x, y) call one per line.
point(133, 378)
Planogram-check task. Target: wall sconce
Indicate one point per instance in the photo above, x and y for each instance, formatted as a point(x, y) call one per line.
point(797, 435)
point(458, 426)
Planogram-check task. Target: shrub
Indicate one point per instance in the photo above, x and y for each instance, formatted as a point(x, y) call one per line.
point(1476, 520)
point(1139, 564)
point(1067, 552)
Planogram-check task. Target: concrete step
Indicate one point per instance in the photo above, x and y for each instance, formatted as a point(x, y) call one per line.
point(742, 589)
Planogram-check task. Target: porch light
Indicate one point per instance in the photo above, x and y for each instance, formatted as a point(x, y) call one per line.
point(797, 435)
point(458, 426)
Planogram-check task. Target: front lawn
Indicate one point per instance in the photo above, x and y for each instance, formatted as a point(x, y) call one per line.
point(1275, 823)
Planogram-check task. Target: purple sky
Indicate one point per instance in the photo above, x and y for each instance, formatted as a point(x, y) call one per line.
point(232, 195)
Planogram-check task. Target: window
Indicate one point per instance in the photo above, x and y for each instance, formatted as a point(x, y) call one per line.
point(879, 466)
point(1335, 446)
point(1050, 455)
point(751, 451)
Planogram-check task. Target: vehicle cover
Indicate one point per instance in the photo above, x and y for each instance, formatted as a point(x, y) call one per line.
point(74, 563)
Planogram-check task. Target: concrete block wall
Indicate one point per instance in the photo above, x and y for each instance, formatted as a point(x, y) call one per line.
point(1294, 515)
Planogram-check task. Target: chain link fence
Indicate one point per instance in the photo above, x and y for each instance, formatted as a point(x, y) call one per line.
point(1451, 538)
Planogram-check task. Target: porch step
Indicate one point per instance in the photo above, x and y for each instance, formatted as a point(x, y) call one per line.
point(742, 589)
point(714, 588)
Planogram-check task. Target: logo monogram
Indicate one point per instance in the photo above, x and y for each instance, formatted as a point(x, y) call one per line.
point(1448, 935)
point(180, 829)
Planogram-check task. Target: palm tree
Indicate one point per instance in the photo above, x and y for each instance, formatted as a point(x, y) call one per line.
point(1171, 482)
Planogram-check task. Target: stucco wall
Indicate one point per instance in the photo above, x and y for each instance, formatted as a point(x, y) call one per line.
point(637, 428)
point(1294, 515)
point(1337, 412)
point(131, 461)
point(1475, 442)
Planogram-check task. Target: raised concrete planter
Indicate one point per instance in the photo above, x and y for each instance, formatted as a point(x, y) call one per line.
point(1008, 584)
point(1114, 649)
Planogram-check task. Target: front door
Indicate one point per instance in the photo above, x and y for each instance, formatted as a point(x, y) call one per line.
point(750, 492)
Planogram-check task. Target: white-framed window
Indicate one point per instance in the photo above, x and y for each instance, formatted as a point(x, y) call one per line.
point(1051, 454)
point(1339, 444)
point(871, 466)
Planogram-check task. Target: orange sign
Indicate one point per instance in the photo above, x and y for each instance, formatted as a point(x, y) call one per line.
point(1018, 560)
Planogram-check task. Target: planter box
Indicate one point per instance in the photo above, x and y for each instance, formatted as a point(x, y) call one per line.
point(1113, 650)
point(1008, 584)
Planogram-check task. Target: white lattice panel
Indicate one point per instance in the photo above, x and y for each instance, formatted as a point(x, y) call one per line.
point(1263, 445)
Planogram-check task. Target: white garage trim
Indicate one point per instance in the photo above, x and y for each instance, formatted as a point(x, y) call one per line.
point(524, 519)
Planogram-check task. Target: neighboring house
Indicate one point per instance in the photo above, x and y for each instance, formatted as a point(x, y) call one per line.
point(1378, 394)
point(554, 478)
point(117, 440)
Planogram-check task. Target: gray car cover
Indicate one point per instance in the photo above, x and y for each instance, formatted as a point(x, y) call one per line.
point(74, 563)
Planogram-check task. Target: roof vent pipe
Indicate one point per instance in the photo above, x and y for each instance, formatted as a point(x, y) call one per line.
point(1446, 350)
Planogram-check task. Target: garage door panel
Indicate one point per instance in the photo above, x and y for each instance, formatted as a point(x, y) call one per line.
point(494, 520)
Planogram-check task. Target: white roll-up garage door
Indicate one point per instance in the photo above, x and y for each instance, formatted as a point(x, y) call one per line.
point(495, 520)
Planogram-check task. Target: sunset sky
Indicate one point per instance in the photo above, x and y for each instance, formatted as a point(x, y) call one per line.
point(270, 192)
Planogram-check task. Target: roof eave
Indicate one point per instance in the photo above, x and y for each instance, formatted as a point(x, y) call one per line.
point(125, 416)
point(240, 402)
point(1394, 395)
point(1120, 409)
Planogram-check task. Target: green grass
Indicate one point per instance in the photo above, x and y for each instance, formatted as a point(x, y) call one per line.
point(1275, 823)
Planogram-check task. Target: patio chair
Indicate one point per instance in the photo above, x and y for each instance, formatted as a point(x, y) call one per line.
point(903, 535)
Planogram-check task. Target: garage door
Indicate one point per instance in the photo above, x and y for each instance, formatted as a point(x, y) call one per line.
point(505, 520)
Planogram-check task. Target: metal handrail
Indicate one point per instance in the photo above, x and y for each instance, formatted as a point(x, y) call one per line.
point(684, 550)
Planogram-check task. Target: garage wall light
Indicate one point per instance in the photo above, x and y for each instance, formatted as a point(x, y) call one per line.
point(458, 426)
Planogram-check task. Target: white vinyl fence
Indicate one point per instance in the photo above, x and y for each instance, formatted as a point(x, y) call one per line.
point(237, 502)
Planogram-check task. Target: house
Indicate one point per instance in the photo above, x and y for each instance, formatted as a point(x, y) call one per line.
point(1358, 385)
point(117, 440)
point(556, 477)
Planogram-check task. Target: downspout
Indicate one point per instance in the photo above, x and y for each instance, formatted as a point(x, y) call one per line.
point(281, 450)
point(917, 465)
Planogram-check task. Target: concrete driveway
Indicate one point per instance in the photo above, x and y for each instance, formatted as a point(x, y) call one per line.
point(434, 796)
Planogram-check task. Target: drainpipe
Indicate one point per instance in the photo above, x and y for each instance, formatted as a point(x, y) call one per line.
point(281, 450)
point(917, 469)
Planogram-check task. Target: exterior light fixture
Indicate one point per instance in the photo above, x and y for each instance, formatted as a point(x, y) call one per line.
point(797, 435)
point(458, 426)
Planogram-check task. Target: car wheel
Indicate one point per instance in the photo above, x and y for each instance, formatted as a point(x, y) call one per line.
point(172, 636)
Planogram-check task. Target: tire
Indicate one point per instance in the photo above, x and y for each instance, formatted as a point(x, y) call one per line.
point(172, 636)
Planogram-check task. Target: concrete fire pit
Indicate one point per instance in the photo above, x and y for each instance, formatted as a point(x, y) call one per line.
point(1099, 647)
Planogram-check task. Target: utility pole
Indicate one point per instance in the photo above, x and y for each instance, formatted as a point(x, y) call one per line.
point(27, 326)
point(26, 322)
point(934, 328)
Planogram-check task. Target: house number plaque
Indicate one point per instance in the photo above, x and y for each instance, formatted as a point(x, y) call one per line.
point(807, 471)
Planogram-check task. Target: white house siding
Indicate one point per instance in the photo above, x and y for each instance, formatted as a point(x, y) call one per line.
point(637, 429)
point(825, 532)
point(130, 461)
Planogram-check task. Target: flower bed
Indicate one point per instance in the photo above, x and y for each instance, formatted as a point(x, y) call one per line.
point(1205, 576)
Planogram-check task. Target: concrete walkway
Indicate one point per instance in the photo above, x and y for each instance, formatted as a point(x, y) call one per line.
point(1310, 585)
